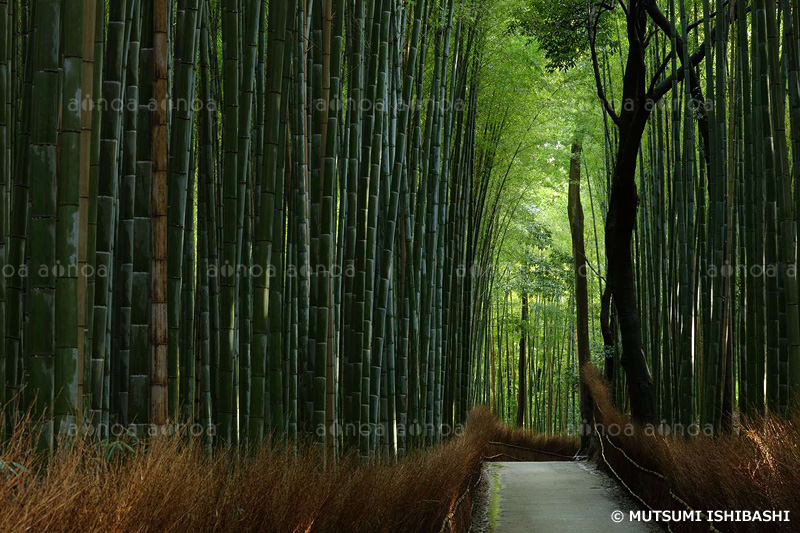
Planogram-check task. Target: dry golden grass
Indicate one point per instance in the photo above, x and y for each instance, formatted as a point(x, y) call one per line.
point(170, 484)
point(756, 469)
point(510, 443)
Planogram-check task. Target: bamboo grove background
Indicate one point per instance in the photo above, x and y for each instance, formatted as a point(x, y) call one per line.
point(260, 218)
point(720, 206)
point(720, 200)
point(715, 240)
point(336, 221)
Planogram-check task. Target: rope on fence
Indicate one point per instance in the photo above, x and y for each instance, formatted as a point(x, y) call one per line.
point(634, 463)
point(603, 454)
point(554, 454)
point(643, 469)
point(501, 454)
point(448, 520)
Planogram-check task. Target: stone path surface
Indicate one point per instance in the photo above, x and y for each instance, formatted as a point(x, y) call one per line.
point(554, 497)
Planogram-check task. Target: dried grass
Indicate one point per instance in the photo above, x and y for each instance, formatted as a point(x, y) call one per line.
point(756, 468)
point(170, 484)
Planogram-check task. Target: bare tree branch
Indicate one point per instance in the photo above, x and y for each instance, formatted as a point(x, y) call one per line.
point(659, 72)
point(592, 28)
point(658, 91)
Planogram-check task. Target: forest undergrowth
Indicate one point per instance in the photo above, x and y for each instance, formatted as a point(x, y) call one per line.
point(169, 484)
point(755, 467)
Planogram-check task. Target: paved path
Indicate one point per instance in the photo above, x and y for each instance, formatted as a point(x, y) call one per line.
point(554, 497)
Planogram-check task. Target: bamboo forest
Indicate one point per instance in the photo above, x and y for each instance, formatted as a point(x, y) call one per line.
point(399, 265)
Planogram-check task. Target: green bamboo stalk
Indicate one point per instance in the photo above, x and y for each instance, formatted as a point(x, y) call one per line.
point(127, 193)
point(353, 306)
point(113, 366)
point(139, 359)
point(180, 150)
point(67, 228)
point(203, 410)
point(249, 26)
point(685, 215)
point(210, 162)
point(785, 203)
point(333, 36)
point(394, 185)
point(17, 244)
point(282, 358)
point(159, 394)
point(300, 197)
point(766, 169)
point(94, 171)
point(107, 190)
point(225, 415)
point(378, 171)
point(188, 333)
point(263, 231)
point(40, 348)
point(88, 72)
point(207, 232)
point(6, 36)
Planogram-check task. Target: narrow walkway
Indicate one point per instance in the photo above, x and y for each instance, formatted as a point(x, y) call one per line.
point(554, 497)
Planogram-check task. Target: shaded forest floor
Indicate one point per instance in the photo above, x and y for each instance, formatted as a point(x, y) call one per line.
point(170, 484)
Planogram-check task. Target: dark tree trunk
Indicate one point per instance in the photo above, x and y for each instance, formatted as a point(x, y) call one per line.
point(622, 220)
point(637, 103)
point(522, 396)
point(575, 212)
point(621, 279)
point(607, 329)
